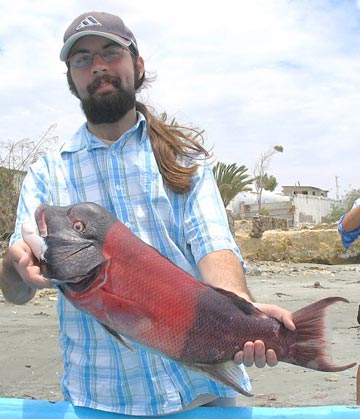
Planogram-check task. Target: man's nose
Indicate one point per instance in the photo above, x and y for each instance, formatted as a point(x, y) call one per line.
point(99, 65)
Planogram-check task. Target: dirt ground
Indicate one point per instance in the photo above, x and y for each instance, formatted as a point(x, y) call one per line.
point(30, 362)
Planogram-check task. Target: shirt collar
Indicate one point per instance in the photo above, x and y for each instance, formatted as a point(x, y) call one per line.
point(83, 138)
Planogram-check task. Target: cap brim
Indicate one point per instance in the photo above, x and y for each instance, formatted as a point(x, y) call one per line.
point(74, 38)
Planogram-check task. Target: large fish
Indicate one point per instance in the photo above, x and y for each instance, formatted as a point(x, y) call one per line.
point(135, 292)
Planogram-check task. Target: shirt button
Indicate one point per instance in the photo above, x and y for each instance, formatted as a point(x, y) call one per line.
point(118, 187)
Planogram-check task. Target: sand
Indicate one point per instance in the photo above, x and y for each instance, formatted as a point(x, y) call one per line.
point(31, 367)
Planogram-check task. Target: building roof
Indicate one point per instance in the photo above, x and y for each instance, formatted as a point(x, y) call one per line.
point(304, 187)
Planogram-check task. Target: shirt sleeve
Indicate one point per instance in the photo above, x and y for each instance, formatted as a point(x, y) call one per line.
point(206, 223)
point(347, 237)
point(34, 191)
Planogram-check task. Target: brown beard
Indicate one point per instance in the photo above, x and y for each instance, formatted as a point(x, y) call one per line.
point(112, 107)
point(107, 108)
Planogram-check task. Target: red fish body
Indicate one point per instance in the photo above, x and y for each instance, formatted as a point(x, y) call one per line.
point(155, 303)
point(135, 292)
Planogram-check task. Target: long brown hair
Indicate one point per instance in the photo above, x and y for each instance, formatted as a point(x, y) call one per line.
point(173, 145)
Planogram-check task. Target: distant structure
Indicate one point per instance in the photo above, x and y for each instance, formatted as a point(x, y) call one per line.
point(299, 205)
point(304, 190)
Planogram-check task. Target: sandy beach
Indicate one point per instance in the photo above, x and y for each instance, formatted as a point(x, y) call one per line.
point(30, 361)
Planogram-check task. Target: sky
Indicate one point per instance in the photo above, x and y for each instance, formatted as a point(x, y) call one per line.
point(251, 73)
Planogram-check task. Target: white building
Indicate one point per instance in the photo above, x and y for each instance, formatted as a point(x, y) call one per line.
point(310, 207)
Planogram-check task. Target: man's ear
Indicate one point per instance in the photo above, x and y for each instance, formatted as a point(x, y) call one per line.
point(141, 66)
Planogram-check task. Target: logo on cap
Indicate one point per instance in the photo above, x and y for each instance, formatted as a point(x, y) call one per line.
point(88, 21)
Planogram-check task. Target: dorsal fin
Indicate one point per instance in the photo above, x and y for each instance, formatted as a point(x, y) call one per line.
point(245, 306)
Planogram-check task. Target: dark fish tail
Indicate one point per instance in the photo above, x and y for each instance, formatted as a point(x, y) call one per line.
point(312, 348)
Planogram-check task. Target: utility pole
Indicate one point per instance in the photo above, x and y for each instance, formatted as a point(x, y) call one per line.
point(337, 187)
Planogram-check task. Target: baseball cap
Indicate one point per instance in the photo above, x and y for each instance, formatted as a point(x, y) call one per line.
point(101, 24)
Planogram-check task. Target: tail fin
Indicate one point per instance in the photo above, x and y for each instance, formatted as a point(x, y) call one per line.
point(312, 348)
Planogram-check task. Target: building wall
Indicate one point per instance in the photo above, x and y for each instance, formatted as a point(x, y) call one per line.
point(311, 209)
point(300, 209)
point(284, 210)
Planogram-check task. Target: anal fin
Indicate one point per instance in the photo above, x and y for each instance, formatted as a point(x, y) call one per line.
point(228, 373)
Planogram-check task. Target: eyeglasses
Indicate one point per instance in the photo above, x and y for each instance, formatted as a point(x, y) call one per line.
point(85, 59)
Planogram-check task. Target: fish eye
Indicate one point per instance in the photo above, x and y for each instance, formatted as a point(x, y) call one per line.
point(79, 226)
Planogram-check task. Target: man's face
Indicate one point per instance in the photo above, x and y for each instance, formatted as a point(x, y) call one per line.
point(106, 85)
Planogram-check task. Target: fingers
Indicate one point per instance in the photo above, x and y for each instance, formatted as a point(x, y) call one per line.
point(288, 322)
point(259, 354)
point(254, 353)
point(31, 274)
point(278, 313)
point(271, 358)
point(26, 265)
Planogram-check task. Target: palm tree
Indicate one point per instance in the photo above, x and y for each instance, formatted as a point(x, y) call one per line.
point(231, 179)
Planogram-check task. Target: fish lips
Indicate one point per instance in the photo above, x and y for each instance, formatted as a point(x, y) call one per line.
point(70, 258)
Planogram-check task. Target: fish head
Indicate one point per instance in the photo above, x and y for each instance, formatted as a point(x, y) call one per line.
point(74, 237)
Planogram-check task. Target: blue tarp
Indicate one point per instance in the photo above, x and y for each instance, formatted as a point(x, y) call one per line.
point(42, 409)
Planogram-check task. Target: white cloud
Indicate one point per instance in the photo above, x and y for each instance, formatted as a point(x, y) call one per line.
point(252, 73)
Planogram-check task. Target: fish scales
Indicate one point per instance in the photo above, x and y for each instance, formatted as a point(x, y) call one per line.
point(135, 292)
point(181, 318)
point(221, 329)
point(131, 299)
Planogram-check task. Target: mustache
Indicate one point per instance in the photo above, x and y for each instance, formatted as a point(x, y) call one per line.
point(95, 84)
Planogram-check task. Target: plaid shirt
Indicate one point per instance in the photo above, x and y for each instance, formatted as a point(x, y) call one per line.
point(124, 178)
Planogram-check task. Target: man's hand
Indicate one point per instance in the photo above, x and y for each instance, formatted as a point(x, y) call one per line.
point(254, 353)
point(27, 266)
point(20, 274)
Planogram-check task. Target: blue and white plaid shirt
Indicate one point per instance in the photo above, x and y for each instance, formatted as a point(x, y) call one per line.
point(124, 178)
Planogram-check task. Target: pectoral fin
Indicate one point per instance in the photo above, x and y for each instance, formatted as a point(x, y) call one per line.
point(117, 336)
point(126, 316)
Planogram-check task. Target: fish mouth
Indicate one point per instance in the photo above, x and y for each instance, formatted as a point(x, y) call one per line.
point(75, 280)
point(82, 282)
point(77, 283)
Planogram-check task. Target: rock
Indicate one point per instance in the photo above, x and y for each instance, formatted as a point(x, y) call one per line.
point(243, 225)
point(263, 223)
point(322, 246)
point(257, 228)
point(255, 272)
